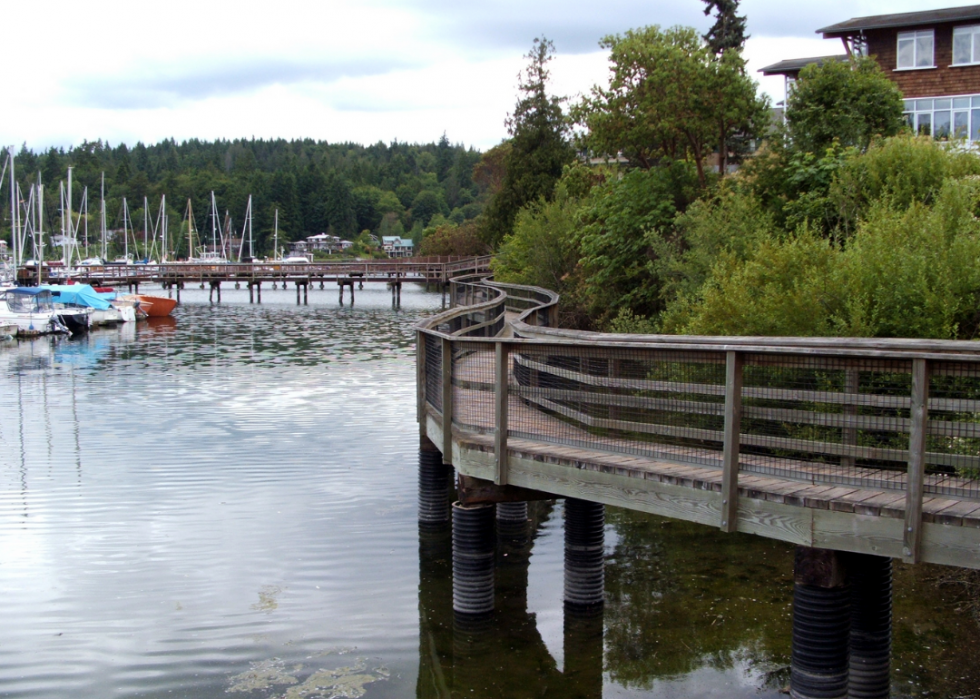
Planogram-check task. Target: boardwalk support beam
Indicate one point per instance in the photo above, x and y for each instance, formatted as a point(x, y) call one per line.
point(821, 625)
point(473, 552)
point(585, 524)
point(871, 626)
point(434, 481)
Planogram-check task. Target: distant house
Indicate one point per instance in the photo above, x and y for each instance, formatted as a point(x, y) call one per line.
point(396, 246)
point(933, 57)
point(324, 242)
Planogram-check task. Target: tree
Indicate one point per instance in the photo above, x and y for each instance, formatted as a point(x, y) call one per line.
point(670, 98)
point(728, 31)
point(539, 146)
point(848, 101)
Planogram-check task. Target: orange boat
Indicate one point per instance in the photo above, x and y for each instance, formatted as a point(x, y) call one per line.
point(154, 306)
point(157, 306)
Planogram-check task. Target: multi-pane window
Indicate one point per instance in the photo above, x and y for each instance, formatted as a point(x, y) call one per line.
point(915, 49)
point(945, 117)
point(966, 45)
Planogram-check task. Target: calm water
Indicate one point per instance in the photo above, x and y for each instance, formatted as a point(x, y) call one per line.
point(224, 504)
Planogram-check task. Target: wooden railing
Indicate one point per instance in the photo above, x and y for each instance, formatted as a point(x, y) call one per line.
point(887, 428)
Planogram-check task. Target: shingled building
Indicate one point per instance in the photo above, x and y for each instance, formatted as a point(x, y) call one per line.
point(933, 57)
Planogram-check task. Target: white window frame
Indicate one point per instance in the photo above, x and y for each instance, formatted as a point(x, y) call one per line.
point(974, 32)
point(914, 36)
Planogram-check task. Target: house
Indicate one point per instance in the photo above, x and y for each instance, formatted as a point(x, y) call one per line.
point(324, 242)
point(396, 246)
point(933, 56)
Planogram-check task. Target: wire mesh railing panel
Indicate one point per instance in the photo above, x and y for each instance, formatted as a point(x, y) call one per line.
point(953, 436)
point(433, 372)
point(827, 420)
point(473, 387)
point(648, 403)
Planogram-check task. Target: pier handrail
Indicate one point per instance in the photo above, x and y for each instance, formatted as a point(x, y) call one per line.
point(892, 425)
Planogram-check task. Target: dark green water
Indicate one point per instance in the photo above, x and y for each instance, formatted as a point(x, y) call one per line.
point(224, 505)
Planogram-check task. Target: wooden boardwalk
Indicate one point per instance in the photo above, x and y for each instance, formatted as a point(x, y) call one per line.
point(853, 466)
point(426, 270)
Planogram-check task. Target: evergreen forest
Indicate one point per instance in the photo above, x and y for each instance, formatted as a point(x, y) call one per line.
point(342, 189)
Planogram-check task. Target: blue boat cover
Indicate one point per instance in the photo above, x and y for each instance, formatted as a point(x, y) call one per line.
point(77, 295)
point(27, 290)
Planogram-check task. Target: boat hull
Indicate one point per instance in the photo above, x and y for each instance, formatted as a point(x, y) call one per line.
point(156, 306)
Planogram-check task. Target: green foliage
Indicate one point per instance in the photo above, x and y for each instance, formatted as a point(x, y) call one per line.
point(620, 231)
point(449, 239)
point(670, 98)
point(542, 250)
point(848, 101)
point(539, 147)
point(907, 271)
point(914, 272)
point(903, 170)
point(782, 288)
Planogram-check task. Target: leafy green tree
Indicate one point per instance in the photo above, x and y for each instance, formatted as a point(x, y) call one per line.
point(848, 101)
point(539, 146)
point(670, 98)
point(427, 204)
point(618, 234)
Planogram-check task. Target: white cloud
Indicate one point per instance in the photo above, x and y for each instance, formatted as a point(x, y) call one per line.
point(338, 69)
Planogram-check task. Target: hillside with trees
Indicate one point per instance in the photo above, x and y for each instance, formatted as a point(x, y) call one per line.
point(342, 189)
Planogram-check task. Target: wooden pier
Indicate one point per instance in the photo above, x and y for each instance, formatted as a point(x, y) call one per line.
point(865, 446)
point(425, 270)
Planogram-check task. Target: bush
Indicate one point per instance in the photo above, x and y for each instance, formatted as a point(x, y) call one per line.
point(454, 240)
point(903, 170)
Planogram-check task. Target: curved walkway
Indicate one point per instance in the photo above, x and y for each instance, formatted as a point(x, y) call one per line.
point(870, 446)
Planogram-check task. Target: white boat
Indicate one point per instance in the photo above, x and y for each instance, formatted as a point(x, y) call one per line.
point(31, 310)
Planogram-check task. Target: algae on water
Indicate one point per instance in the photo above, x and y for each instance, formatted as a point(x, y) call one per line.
point(347, 682)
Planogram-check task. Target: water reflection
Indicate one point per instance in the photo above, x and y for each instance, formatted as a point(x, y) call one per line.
point(226, 501)
point(503, 655)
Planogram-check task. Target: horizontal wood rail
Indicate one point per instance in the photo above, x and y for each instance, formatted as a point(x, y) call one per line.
point(860, 445)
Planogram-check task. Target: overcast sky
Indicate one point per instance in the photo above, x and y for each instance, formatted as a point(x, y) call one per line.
point(336, 70)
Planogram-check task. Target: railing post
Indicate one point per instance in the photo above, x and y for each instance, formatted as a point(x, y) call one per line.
point(500, 410)
point(852, 384)
point(447, 401)
point(420, 360)
point(733, 423)
point(915, 483)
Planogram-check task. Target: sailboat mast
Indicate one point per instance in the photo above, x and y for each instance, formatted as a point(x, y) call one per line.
point(214, 223)
point(251, 254)
point(40, 228)
point(190, 227)
point(66, 244)
point(14, 228)
point(163, 233)
point(146, 223)
point(275, 240)
point(105, 250)
point(125, 230)
point(85, 205)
